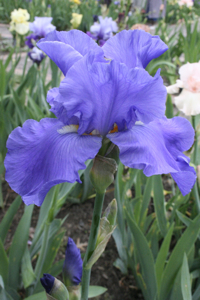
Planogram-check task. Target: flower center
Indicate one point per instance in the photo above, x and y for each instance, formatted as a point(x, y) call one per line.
point(74, 128)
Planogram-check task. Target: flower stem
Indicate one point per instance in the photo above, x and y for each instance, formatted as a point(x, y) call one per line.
point(195, 187)
point(98, 204)
point(195, 141)
point(41, 258)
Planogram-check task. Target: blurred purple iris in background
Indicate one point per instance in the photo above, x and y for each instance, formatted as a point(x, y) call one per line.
point(36, 55)
point(30, 38)
point(101, 31)
point(100, 100)
point(40, 28)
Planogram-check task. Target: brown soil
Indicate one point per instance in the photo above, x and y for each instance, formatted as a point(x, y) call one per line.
point(77, 227)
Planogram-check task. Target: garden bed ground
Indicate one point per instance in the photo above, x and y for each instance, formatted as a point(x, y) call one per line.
point(78, 226)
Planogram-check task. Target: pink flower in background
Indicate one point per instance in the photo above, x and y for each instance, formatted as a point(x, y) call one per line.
point(189, 99)
point(188, 3)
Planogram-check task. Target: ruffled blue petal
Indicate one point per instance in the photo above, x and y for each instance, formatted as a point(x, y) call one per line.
point(186, 178)
point(66, 48)
point(104, 94)
point(40, 157)
point(135, 48)
point(72, 268)
point(157, 148)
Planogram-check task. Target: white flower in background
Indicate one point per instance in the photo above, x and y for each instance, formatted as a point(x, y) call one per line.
point(189, 99)
point(188, 3)
point(19, 18)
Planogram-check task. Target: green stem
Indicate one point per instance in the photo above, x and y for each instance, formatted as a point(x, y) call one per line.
point(98, 204)
point(196, 196)
point(41, 259)
point(195, 141)
point(195, 188)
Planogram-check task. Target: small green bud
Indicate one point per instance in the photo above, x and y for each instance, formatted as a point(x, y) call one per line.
point(102, 173)
point(59, 291)
point(106, 228)
point(111, 212)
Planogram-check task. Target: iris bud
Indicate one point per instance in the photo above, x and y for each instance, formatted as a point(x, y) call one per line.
point(102, 173)
point(55, 289)
point(72, 268)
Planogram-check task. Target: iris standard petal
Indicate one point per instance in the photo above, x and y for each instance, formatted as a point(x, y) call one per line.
point(41, 155)
point(104, 94)
point(157, 148)
point(135, 48)
point(66, 48)
point(72, 267)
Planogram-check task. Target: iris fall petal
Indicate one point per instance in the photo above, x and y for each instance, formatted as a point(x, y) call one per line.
point(157, 148)
point(41, 155)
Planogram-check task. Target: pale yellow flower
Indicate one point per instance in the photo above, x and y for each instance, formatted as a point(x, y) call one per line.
point(76, 20)
point(78, 2)
point(19, 18)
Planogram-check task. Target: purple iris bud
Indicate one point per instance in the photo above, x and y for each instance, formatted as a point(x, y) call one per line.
point(114, 98)
point(116, 2)
point(73, 264)
point(103, 29)
point(36, 55)
point(41, 26)
point(47, 282)
point(95, 18)
point(29, 40)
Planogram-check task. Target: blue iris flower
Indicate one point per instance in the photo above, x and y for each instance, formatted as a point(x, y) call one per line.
point(112, 98)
